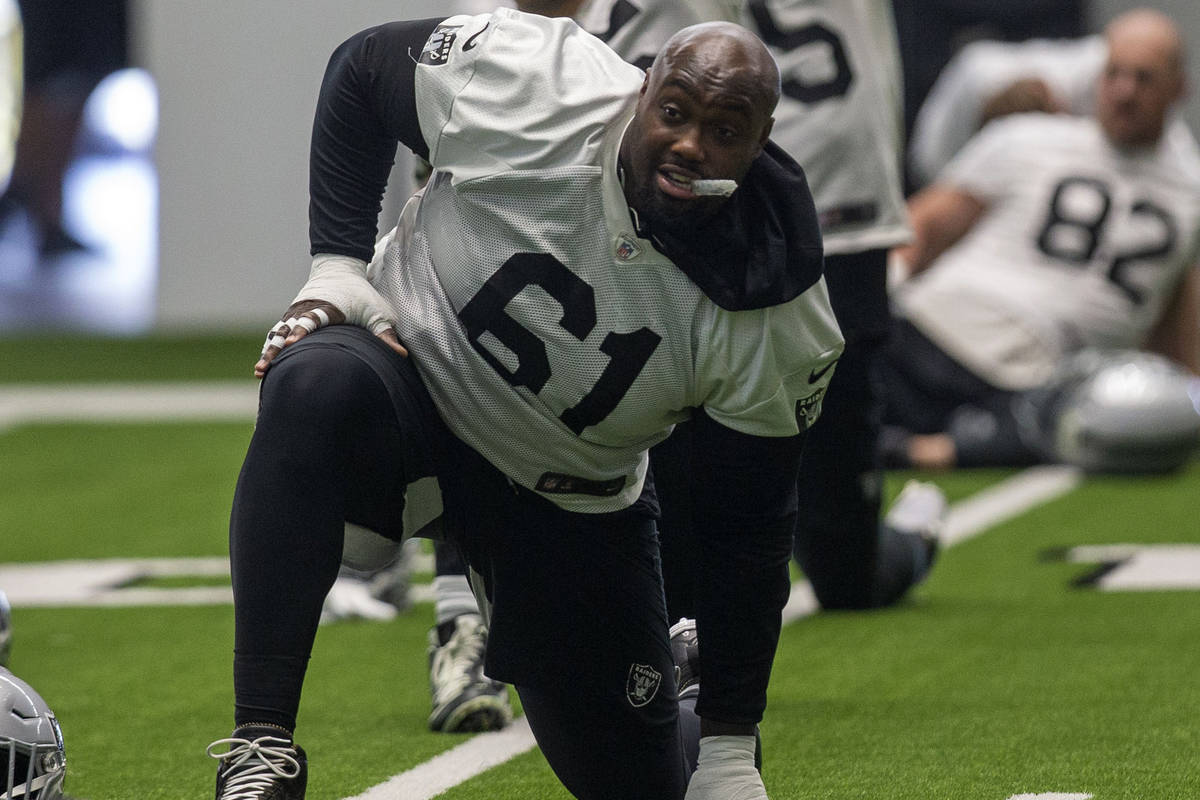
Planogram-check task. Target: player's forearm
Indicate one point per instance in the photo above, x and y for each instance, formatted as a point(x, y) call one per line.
point(744, 521)
point(940, 216)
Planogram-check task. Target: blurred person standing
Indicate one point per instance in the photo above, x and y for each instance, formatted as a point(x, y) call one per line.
point(841, 117)
point(68, 49)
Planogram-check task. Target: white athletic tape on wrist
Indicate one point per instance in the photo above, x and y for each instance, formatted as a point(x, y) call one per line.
point(725, 770)
point(341, 282)
point(727, 746)
point(378, 325)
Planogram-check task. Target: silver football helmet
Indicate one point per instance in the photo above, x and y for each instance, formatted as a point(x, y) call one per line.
point(33, 763)
point(5, 629)
point(1123, 411)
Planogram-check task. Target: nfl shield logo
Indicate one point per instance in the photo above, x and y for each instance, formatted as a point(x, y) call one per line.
point(627, 248)
point(643, 684)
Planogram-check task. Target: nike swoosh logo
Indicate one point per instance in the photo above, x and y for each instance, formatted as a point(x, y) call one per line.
point(817, 374)
point(469, 44)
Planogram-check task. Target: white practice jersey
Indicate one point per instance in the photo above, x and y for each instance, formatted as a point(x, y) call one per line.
point(1081, 245)
point(10, 85)
point(840, 115)
point(552, 339)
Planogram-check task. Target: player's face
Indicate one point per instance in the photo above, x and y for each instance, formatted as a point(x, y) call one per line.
point(696, 119)
point(1136, 90)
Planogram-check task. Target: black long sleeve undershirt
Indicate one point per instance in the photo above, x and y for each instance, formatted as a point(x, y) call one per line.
point(366, 105)
point(744, 494)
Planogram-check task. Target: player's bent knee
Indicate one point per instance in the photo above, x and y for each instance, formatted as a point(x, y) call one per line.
point(320, 384)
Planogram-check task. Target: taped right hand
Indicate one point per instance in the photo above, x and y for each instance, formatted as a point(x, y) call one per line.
point(337, 292)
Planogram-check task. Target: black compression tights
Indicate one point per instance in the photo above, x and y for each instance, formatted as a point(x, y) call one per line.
point(582, 742)
point(323, 451)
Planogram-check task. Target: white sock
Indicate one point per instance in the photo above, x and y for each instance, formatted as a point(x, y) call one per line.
point(452, 597)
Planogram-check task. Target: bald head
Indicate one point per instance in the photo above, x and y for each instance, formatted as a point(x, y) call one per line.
point(727, 50)
point(703, 114)
point(1142, 79)
point(1152, 31)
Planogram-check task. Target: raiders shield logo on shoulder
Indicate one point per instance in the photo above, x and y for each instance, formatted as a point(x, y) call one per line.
point(437, 49)
point(642, 685)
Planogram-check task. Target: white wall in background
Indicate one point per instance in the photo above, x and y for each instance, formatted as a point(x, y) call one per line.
point(237, 84)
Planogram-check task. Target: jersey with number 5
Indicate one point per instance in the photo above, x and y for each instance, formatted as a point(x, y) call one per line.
point(553, 339)
point(840, 113)
point(1081, 244)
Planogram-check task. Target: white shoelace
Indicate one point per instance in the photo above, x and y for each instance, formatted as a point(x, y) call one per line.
point(246, 781)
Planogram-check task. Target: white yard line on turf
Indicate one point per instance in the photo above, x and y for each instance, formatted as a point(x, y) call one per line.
point(966, 519)
point(128, 402)
point(1007, 499)
point(455, 766)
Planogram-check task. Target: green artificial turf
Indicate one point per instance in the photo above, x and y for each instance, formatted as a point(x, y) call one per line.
point(997, 677)
point(90, 491)
point(70, 359)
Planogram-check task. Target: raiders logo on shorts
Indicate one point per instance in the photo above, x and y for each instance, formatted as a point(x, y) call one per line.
point(437, 48)
point(642, 685)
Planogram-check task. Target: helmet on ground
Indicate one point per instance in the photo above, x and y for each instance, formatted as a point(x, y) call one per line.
point(33, 763)
point(1121, 411)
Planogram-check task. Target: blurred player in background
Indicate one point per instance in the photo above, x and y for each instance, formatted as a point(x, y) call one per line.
point(1045, 235)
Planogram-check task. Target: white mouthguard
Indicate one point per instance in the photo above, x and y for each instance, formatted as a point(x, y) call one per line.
point(719, 187)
